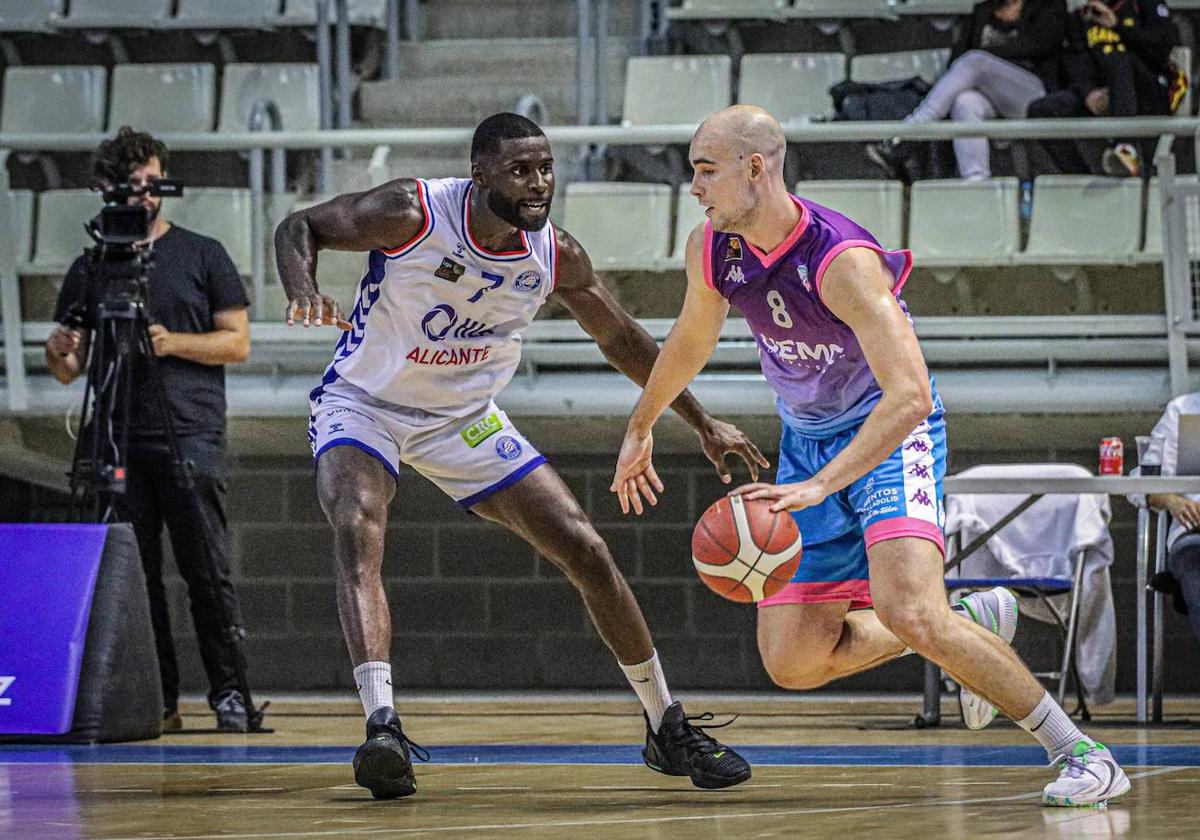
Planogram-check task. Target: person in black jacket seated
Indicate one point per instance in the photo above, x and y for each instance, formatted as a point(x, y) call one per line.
point(1116, 63)
point(1004, 59)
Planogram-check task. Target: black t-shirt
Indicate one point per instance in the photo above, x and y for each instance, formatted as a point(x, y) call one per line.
point(190, 279)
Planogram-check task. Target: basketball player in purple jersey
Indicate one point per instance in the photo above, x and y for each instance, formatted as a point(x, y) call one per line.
point(457, 268)
point(862, 453)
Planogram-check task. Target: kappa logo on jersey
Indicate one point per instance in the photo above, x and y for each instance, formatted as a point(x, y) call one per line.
point(477, 433)
point(508, 448)
point(735, 275)
point(792, 351)
point(733, 249)
point(528, 281)
point(450, 270)
point(802, 270)
point(442, 319)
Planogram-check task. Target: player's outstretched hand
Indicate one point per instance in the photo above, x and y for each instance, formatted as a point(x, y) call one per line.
point(719, 439)
point(635, 476)
point(797, 496)
point(315, 309)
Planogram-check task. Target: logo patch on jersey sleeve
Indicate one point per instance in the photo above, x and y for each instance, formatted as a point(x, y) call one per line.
point(450, 270)
point(528, 281)
point(477, 433)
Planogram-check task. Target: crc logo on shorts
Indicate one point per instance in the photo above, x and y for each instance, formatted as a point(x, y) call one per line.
point(508, 448)
point(477, 433)
point(528, 281)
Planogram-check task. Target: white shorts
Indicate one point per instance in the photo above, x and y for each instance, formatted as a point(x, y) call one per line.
point(469, 457)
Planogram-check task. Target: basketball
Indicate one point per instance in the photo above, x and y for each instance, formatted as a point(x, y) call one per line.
point(744, 552)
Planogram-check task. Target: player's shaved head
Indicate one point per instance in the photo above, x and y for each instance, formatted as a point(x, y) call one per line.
point(740, 131)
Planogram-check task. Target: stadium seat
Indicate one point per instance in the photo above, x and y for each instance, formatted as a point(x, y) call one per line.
point(22, 224)
point(1081, 219)
point(956, 222)
point(1152, 246)
point(53, 100)
point(30, 15)
point(293, 88)
point(876, 205)
point(675, 89)
point(688, 213)
point(372, 13)
point(842, 9)
point(934, 7)
point(886, 67)
point(163, 97)
point(60, 236)
point(225, 14)
point(220, 212)
point(622, 226)
point(718, 9)
point(117, 14)
point(792, 86)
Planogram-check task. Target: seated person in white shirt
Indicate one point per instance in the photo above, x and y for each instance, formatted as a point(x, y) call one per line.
point(1183, 539)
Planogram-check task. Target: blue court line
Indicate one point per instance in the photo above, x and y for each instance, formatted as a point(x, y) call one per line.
point(1147, 755)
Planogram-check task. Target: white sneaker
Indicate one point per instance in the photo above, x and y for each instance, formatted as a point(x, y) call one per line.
point(1087, 776)
point(996, 610)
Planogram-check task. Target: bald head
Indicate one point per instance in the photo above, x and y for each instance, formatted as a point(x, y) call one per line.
point(741, 131)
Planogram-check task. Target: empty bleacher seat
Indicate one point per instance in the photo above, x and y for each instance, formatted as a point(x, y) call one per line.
point(1152, 244)
point(675, 89)
point(792, 86)
point(60, 236)
point(22, 224)
point(30, 15)
point(58, 100)
point(718, 9)
point(372, 13)
point(163, 97)
point(688, 213)
point(1082, 219)
point(225, 14)
point(934, 7)
point(886, 67)
point(293, 88)
point(842, 9)
point(113, 14)
point(876, 205)
point(622, 226)
point(220, 212)
point(956, 222)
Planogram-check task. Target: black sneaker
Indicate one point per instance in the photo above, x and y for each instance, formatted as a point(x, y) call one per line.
point(891, 156)
point(383, 764)
point(231, 712)
point(680, 749)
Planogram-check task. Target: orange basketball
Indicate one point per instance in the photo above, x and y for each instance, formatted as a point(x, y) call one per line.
point(743, 551)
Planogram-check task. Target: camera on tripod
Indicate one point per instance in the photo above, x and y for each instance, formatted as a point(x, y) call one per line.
point(120, 224)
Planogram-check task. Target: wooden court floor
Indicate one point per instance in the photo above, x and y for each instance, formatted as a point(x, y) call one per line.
point(549, 767)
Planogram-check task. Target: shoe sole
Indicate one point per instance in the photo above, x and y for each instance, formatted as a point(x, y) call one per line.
point(382, 771)
point(702, 781)
point(1120, 788)
point(1007, 620)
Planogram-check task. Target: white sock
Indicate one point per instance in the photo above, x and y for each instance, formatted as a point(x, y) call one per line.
point(1053, 727)
point(651, 687)
point(374, 681)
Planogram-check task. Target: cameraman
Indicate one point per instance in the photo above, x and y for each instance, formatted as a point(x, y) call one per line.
point(196, 306)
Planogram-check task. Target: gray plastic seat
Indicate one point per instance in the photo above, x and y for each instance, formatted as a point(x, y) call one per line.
point(886, 67)
point(688, 213)
point(30, 15)
point(60, 235)
point(1152, 245)
point(53, 100)
point(1082, 219)
point(220, 212)
point(164, 97)
point(22, 224)
point(841, 9)
point(622, 226)
point(728, 9)
point(934, 7)
point(372, 13)
point(293, 87)
point(675, 89)
point(794, 87)
point(956, 222)
point(117, 14)
point(876, 205)
point(225, 14)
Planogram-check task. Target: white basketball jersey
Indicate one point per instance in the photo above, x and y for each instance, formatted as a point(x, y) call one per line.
point(437, 323)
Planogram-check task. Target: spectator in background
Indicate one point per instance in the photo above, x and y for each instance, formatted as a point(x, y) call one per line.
point(1116, 63)
point(1004, 59)
point(1183, 539)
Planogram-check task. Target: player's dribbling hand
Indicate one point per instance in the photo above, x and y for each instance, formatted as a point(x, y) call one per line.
point(314, 310)
point(719, 439)
point(635, 476)
point(796, 496)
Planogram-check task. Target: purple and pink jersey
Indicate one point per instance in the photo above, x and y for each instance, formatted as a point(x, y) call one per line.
point(809, 356)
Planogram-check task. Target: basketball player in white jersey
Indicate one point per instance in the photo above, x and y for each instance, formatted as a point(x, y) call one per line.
point(457, 269)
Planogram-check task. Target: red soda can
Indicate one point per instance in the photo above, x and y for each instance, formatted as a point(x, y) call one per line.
point(1112, 456)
